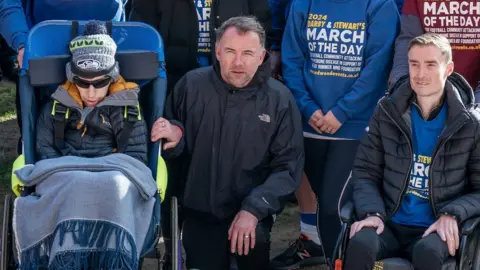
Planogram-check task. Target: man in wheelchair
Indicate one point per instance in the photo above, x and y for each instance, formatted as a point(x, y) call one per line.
point(416, 177)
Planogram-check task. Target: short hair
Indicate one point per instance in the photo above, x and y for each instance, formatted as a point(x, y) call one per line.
point(437, 40)
point(243, 24)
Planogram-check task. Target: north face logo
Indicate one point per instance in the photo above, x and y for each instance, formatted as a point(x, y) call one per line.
point(264, 118)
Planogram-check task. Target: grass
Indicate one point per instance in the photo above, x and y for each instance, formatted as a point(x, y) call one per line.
point(7, 101)
point(8, 131)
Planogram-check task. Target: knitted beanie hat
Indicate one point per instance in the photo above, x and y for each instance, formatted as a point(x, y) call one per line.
point(93, 54)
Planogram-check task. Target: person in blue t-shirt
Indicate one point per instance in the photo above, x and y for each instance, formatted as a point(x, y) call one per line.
point(416, 177)
point(337, 65)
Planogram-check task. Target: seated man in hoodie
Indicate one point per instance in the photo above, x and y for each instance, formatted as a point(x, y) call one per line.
point(94, 98)
point(416, 176)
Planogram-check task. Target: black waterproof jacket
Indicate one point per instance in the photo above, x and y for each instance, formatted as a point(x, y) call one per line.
point(177, 23)
point(244, 146)
point(384, 159)
point(95, 132)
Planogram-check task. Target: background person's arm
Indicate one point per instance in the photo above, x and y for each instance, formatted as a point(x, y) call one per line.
point(13, 24)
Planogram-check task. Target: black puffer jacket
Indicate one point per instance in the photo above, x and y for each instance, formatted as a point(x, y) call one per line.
point(244, 146)
point(177, 22)
point(384, 159)
point(101, 128)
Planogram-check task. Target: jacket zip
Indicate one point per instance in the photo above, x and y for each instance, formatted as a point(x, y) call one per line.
point(229, 92)
point(430, 176)
point(409, 167)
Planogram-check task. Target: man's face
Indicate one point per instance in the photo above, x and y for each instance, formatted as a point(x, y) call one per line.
point(92, 91)
point(239, 55)
point(428, 70)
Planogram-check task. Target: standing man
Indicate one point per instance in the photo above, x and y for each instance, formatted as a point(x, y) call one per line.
point(337, 66)
point(457, 20)
point(241, 133)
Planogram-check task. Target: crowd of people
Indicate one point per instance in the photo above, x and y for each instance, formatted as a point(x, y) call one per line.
point(369, 101)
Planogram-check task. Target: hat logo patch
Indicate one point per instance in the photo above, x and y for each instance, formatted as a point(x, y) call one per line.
point(88, 64)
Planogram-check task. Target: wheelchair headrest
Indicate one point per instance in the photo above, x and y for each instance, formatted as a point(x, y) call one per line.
point(134, 65)
point(139, 51)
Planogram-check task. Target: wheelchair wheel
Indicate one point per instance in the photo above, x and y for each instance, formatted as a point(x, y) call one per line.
point(8, 259)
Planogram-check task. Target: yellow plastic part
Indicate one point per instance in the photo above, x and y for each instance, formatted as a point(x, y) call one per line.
point(17, 185)
point(67, 114)
point(162, 177)
point(139, 117)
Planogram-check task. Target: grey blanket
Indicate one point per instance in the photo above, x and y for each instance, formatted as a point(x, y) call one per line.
point(86, 213)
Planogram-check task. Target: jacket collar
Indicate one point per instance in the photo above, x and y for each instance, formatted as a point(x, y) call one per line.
point(432, 114)
point(120, 93)
point(458, 96)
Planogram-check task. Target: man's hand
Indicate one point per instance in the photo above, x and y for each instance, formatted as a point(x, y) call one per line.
point(372, 222)
point(328, 123)
point(20, 57)
point(163, 129)
point(242, 232)
point(316, 116)
point(447, 228)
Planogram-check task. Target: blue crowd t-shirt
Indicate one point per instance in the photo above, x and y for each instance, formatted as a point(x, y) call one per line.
point(415, 208)
point(203, 14)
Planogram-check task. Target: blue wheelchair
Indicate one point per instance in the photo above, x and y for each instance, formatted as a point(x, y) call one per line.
point(141, 59)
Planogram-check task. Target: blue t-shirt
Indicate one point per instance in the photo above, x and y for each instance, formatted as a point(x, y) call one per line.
point(415, 208)
point(203, 14)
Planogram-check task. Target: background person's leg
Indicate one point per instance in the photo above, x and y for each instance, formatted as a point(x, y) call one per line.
point(307, 202)
point(206, 244)
point(305, 250)
point(328, 184)
point(259, 257)
point(429, 252)
point(367, 246)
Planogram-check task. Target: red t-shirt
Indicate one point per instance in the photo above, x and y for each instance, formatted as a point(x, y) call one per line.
point(459, 21)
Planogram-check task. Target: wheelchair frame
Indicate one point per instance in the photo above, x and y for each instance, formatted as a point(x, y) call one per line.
point(8, 250)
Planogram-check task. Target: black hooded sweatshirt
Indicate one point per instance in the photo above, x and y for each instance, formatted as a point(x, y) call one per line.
point(244, 146)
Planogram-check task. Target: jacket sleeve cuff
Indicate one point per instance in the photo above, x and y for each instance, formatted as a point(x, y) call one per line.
point(457, 218)
point(379, 215)
point(339, 114)
point(252, 210)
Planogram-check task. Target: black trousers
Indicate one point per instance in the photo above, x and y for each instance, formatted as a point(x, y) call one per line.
point(207, 246)
point(366, 247)
point(328, 164)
